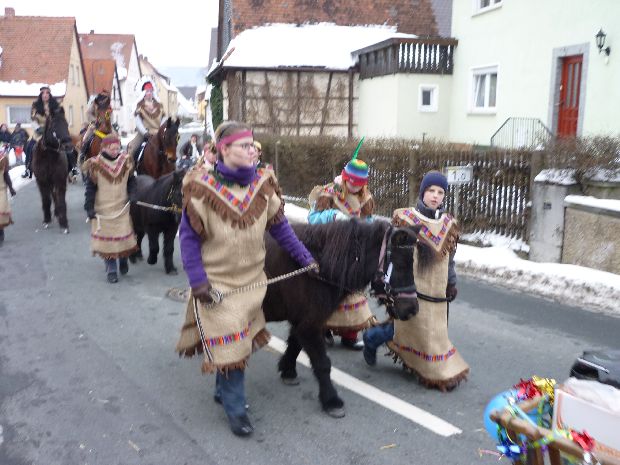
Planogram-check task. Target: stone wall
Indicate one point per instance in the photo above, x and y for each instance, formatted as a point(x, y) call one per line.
point(591, 233)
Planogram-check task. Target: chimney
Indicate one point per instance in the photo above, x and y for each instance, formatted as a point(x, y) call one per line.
point(92, 31)
point(9, 12)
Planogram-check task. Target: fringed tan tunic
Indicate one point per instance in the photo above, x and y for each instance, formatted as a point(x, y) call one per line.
point(353, 313)
point(422, 342)
point(5, 208)
point(231, 221)
point(112, 234)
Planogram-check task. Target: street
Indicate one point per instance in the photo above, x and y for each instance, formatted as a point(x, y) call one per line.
point(89, 375)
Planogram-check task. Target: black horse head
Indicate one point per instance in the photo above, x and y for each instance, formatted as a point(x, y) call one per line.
point(393, 284)
point(56, 136)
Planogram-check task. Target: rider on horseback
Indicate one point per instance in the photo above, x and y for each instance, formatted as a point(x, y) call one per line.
point(100, 103)
point(149, 115)
point(44, 106)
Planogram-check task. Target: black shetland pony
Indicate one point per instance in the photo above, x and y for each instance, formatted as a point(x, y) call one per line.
point(351, 255)
point(49, 165)
point(164, 192)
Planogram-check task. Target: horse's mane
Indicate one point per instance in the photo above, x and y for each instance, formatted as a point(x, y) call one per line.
point(341, 248)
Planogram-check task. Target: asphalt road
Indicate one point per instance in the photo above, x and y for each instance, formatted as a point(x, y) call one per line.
point(88, 372)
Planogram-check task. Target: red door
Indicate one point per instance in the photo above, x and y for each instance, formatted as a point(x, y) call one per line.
point(569, 96)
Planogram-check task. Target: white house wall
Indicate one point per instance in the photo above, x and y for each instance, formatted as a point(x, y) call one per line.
point(525, 39)
point(130, 94)
point(390, 106)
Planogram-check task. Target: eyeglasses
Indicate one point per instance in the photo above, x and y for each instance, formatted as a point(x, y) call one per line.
point(246, 146)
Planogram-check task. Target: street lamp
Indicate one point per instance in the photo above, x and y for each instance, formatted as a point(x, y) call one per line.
point(600, 42)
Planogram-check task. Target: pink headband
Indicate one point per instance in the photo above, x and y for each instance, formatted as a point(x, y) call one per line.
point(233, 137)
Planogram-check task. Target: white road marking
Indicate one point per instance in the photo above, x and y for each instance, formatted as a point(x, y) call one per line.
point(390, 402)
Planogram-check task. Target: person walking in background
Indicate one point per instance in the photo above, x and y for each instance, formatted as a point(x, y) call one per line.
point(109, 186)
point(347, 197)
point(149, 114)
point(28, 153)
point(422, 343)
point(222, 246)
point(5, 135)
point(189, 153)
point(5, 184)
point(18, 141)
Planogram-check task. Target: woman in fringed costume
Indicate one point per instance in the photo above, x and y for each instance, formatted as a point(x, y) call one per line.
point(5, 183)
point(422, 343)
point(226, 210)
point(110, 185)
point(347, 197)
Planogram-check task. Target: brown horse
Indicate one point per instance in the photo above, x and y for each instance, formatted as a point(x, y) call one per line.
point(103, 127)
point(49, 165)
point(160, 152)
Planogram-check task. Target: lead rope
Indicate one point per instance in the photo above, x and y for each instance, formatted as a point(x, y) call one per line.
point(218, 296)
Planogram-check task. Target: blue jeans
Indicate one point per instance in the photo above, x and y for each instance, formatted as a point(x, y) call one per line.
point(110, 264)
point(231, 389)
point(377, 335)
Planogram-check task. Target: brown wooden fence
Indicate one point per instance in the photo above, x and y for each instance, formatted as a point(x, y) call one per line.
point(496, 200)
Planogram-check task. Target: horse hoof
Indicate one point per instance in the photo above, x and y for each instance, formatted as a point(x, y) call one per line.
point(336, 412)
point(65, 231)
point(132, 259)
point(46, 225)
point(172, 272)
point(151, 260)
point(290, 381)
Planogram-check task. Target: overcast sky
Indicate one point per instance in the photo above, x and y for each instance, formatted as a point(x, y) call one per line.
point(177, 35)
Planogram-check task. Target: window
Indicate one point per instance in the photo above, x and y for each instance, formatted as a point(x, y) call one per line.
point(70, 115)
point(18, 114)
point(484, 89)
point(480, 6)
point(428, 95)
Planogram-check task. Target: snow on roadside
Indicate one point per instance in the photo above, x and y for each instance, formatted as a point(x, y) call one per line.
point(16, 177)
point(591, 289)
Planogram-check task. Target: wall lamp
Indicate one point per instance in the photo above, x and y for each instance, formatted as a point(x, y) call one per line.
point(600, 42)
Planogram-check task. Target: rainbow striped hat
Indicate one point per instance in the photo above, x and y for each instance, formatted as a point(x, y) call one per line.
point(356, 172)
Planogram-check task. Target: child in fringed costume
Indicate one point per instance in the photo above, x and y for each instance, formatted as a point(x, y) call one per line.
point(422, 343)
point(110, 185)
point(347, 197)
point(5, 183)
point(226, 210)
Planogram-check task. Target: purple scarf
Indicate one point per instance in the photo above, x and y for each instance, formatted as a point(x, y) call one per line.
point(241, 176)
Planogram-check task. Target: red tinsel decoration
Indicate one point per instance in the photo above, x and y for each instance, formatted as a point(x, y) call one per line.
point(586, 441)
point(526, 389)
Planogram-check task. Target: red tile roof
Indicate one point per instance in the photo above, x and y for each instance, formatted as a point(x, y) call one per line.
point(36, 49)
point(99, 75)
point(106, 46)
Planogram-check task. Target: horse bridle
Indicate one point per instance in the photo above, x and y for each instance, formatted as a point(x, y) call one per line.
point(163, 155)
point(384, 272)
point(48, 129)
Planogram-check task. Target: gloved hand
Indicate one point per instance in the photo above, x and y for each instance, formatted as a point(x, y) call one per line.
point(201, 292)
point(12, 191)
point(451, 292)
point(91, 214)
point(339, 216)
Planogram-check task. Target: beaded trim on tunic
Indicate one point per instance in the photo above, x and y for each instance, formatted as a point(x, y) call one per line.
point(425, 231)
point(110, 238)
point(428, 357)
point(330, 190)
point(112, 167)
point(350, 307)
point(241, 205)
point(229, 338)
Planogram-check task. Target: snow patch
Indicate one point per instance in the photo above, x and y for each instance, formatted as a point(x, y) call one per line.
point(564, 177)
point(604, 204)
point(32, 89)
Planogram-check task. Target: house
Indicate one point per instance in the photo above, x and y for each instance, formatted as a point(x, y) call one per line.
point(103, 74)
point(166, 92)
point(28, 60)
point(420, 17)
point(123, 50)
point(309, 83)
point(527, 69)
